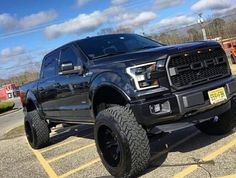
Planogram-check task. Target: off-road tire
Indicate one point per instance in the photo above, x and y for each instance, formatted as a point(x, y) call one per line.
point(132, 138)
point(224, 125)
point(36, 129)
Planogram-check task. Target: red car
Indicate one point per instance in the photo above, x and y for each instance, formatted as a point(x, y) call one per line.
point(233, 54)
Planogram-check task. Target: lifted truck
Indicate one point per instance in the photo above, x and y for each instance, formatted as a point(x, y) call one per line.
point(130, 86)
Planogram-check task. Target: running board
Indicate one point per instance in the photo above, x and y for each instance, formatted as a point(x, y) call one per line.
point(175, 126)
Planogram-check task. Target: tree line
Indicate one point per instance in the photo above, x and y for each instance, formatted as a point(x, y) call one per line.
point(216, 28)
point(20, 79)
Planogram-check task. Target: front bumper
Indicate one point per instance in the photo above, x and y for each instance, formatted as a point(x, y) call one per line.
point(191, 105)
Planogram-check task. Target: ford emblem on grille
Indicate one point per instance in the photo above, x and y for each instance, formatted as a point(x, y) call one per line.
point(197, 67)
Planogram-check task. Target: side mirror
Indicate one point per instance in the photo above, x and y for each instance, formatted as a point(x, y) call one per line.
point(69, 68)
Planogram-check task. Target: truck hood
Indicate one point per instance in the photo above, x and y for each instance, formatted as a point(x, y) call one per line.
point(148, 55)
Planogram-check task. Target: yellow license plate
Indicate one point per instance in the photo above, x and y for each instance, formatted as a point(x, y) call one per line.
point(217, 95)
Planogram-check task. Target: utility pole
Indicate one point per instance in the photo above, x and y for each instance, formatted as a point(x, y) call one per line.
point(201, 22)
point(143, 33)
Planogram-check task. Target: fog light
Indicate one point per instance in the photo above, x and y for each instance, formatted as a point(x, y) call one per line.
point(160, 108)
point(155, 108)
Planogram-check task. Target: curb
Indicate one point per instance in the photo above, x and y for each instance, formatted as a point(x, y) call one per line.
point(10, 112)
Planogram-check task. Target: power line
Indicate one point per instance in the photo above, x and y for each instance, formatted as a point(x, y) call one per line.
point(25, 53)
point(129, 4)
point(31, 30)
point(13, 67)
point(40, 28)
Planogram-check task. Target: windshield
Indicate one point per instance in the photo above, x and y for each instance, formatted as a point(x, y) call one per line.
point(107, 45)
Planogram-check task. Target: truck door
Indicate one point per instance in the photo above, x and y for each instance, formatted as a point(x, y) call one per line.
point(72, 89)
point(46, 85)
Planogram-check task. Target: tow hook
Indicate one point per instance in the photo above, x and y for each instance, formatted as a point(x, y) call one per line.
point(216, 119)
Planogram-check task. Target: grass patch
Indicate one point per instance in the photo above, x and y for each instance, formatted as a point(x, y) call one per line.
point(6, 106)
point(16, 132)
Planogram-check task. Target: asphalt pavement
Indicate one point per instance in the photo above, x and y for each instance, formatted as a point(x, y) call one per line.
point(10, 121)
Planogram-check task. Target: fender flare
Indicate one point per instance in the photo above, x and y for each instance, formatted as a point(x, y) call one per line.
point(113, 80)
point(31, 97)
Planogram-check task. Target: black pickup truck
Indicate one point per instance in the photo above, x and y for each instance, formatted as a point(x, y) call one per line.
point(130, 87)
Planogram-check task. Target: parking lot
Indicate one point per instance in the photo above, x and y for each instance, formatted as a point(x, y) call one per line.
point(72, 153)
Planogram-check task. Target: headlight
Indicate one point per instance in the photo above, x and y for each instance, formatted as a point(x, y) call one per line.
point(144, 75)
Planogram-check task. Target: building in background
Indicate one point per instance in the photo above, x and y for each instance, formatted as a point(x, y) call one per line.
point(229, 44)
point(9, 91)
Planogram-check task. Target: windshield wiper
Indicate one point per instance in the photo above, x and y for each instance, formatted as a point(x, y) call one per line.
point(109, 54)
point(123, 52)
point(145, 47)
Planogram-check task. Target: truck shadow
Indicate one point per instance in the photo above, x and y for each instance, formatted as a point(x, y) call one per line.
point(200, 140)
point(160, 145)
point(63, 133)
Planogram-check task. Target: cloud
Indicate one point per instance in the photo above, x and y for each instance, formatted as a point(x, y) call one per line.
point(21, 64)
point(82, 23)
point(164, 4)
point(224, 12)
point(177, 21)
point(37, 19)
point(82, 2)
point(202, 5)
point(19, 60)
point(115, 15)
point(9, 22)
point(118, 2)
point(133, 20)
point(11, 52)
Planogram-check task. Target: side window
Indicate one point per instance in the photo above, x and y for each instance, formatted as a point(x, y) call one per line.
point(68, 56)
point(49, 68)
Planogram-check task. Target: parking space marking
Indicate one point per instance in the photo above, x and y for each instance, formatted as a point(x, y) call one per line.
point(209, 157)
point(90, 163)
point(70, 153)
point(64, 143)
point(84, 166)
point(45, 164)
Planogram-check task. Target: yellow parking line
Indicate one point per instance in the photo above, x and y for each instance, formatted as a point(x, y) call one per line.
point(45, 165)
point(52, 174)
point(156, 156)
point(209, 157)
point(70, 153)
point(229, 176)
point(64, 143)
point(84, 166)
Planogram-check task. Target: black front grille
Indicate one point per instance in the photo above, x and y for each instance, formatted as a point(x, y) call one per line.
point(197, 67)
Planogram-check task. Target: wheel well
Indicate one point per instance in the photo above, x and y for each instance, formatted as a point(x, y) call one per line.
point(107, 97)
point(30, 106)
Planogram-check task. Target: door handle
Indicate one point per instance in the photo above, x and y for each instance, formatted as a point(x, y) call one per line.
point(41, 89)
point(56, 85)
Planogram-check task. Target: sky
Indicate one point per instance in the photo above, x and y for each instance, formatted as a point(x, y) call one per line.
point(29, 29)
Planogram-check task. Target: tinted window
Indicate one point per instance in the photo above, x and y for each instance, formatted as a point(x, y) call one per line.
point(68, 56)
point(50, 66)
point(110, 44)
